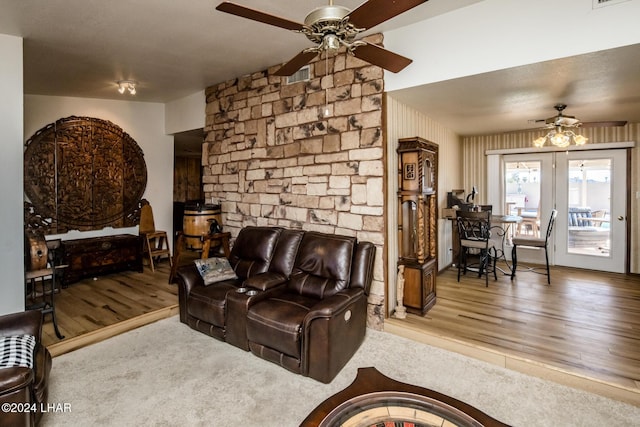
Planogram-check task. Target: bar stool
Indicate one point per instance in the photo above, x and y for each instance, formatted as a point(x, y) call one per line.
point(43, 299)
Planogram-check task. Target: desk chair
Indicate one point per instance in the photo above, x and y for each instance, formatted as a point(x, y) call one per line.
point(474, 234)
point(155, 242)
point(534, 242)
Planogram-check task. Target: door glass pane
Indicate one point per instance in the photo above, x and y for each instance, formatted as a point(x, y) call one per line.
point(522, 195)
point(589, 207)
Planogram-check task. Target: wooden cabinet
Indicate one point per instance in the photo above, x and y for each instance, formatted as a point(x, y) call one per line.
point(100, 255)
point(420, 285)
point(417, 221)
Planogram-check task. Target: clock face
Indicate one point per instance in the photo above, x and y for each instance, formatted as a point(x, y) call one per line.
point(396, 409)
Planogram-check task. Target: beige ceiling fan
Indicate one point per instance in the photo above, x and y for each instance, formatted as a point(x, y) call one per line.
point(331, 27)
point(565, 121)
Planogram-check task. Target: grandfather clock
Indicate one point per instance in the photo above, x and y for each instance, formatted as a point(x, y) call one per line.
point(417, 222)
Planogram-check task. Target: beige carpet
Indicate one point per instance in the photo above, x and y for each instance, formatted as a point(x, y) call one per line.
point(166, 374)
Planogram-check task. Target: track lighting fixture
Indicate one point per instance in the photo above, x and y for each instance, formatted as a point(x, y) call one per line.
point(129, 85)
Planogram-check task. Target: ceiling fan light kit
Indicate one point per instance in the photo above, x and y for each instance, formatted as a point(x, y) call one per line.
point(332, 27)
point(561, 134)
point(560, 138)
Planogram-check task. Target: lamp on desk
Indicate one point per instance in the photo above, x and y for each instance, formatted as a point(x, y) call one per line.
point(471, 197)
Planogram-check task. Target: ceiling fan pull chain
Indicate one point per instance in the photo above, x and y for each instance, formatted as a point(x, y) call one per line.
point(326, 88)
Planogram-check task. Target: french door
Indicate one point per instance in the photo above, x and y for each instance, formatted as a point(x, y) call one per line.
point(591, 190)
point(588, 188)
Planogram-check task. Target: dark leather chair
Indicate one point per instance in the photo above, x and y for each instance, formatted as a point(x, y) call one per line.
point(315, 323)
point(20, 384)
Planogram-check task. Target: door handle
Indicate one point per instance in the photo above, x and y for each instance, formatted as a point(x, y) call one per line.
point(620, 218)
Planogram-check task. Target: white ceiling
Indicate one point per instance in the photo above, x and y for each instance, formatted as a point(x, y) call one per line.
point(599, 86)
point(80, 48)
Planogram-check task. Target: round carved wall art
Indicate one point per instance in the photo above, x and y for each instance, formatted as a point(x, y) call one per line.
point(82, 173)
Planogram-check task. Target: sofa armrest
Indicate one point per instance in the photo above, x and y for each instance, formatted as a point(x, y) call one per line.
point(187, 278)
point(12, 379)
point(333, 330)
point(329, 307)
point(265, 281)
point(25, 322)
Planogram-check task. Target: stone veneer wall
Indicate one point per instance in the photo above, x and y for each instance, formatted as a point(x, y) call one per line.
point(272, 157)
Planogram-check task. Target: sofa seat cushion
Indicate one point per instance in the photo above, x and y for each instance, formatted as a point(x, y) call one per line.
point(277, 322)
point(207, 303)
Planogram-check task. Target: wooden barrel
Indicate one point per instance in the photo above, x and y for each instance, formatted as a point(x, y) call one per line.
point(196, 223)
point(37, 252)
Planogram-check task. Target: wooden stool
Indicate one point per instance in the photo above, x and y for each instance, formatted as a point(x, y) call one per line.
point(220, 239)
point(207, 240)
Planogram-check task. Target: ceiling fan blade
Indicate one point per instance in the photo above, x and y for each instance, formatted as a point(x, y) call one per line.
point(603, 124)
point(374, 12)
point(381, 57)
point(256, 15)
point(298, 61)
point(559, 119)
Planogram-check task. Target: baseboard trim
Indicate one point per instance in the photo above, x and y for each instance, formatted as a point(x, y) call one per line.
point(514, 363)
point(68, 345)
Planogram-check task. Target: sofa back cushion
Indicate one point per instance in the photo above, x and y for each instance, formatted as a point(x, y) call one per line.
point(362, 268)
point(323, 265)
point(253, 249)
point(285, 252)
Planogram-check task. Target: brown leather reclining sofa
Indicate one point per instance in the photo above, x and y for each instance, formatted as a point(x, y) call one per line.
point(300, 299)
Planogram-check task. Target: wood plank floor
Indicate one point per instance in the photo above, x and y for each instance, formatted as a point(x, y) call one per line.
point(586, 322)
point(91, 304)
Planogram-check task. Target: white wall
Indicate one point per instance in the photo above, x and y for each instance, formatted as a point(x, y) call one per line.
point(145, 122)
point(11, 182)
point(478, 38)
point(185, 114)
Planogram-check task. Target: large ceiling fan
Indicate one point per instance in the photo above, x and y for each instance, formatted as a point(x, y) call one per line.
point(332, 27)
point(561, 125)
point(571, 122)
